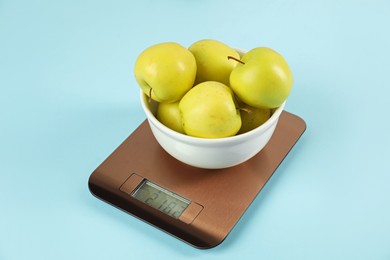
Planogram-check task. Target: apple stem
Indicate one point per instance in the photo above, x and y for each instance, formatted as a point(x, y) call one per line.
point(247, 110)
point(233, 58)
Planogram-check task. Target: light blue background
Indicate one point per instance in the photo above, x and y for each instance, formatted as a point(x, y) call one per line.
point(68, 99)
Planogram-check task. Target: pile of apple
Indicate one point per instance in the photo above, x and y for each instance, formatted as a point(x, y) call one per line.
point(209, 90)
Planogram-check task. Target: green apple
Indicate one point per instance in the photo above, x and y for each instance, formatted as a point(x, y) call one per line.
point(252, 117)
point(169, 115)
point(212, 60)
point(262, 78)
point(165, 71)
point(208, 110)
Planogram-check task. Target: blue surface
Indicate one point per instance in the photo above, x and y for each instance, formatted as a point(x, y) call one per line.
point(68, 99)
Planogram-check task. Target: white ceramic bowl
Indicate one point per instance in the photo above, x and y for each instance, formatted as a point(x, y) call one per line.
point(209, 153)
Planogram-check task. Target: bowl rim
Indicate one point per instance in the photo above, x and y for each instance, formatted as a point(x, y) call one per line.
point(209, 141)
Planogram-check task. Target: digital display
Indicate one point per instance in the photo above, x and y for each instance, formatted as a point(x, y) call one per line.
point(161, 199)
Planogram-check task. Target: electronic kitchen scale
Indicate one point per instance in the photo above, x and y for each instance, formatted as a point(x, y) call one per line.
point(195, 205)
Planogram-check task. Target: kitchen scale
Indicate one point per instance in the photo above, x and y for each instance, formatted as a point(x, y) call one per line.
point(198, 206)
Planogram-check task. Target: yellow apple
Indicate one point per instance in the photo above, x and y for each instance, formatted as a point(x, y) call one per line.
point(208, 110)
point(169, 115)
point(252, 117)
point(165, 71)
point(263, 78)
point(212, 60)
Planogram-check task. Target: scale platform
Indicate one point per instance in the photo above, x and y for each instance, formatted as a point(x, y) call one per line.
point(198, 206)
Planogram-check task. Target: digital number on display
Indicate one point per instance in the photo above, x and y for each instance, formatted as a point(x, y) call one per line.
point(161, 199)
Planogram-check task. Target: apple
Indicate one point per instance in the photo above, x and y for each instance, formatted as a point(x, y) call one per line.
point(212, 60)
point(165, 71)
point(262, 78)
point(252, 117)
point(169, 115)
point(208, 110)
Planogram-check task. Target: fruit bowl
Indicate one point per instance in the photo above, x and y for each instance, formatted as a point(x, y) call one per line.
point(210, 153)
